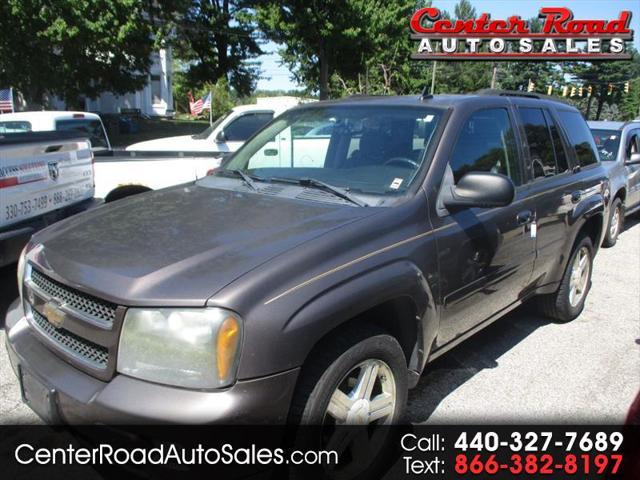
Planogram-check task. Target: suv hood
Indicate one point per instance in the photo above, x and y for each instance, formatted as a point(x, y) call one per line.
point(177, 247)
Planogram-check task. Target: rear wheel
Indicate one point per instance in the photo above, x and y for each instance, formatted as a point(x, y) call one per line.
point(568, 301)
point(616, 222)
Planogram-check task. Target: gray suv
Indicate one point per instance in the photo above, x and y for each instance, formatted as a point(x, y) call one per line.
point(313, 277)
point(619, 148)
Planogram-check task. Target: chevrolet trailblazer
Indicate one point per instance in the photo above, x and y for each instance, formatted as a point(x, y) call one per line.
point(312, 290)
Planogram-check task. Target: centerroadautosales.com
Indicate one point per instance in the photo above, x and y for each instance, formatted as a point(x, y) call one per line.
point(105, 454)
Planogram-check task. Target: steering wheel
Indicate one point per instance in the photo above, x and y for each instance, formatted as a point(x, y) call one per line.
point(404, 161)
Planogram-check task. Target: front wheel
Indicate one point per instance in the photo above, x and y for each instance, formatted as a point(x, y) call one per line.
point(616, 221)
point(568, 301)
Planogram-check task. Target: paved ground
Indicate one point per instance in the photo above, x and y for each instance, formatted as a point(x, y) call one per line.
point(522, 368)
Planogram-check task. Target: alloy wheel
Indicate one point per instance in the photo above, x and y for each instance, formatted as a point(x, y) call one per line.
point(579, 281)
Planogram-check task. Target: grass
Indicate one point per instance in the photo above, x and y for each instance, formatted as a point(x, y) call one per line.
point(149, 129)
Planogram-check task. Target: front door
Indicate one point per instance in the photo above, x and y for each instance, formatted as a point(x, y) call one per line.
point(485, 255)
point(633, 171)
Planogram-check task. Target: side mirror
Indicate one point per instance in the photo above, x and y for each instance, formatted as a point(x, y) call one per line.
point(482, 190)
point(634, 159)
point(221, 137)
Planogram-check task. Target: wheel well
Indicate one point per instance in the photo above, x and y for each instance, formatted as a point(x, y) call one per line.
point(621, 194)
point(397, 317)
point(592, 228)
point(125, 191)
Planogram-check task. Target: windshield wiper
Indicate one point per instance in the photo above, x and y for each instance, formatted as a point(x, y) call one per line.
point(245, 178)
point(320, 185)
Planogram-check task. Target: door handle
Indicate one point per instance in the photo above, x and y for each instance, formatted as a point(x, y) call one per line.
point(576, 196)
point(525, 217)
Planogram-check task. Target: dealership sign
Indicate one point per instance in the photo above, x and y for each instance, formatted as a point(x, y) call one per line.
point(561, 37)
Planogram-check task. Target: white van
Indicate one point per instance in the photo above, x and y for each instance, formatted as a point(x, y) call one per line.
point(88, 124)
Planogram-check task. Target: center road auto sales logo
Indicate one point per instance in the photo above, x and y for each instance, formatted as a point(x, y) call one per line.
point(561, 37)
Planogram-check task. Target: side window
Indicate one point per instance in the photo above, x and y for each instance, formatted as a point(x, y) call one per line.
point(243, 127)
point(486, 144)
point(558, 147)
point(541, 151)
point(633, 144)
point(580, 137)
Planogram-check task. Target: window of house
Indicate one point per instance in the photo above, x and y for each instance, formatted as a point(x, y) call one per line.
point(580, 137)
point(156, 89)
point(487, 144)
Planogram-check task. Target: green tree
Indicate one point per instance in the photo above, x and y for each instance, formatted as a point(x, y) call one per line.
point(75, 47)
point(630, 105)
point(215, 39)
point(320, 38)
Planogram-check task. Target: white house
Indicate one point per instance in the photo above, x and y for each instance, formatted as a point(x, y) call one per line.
point(155, 99)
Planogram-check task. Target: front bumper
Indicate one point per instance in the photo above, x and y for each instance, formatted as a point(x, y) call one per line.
point(75, 397)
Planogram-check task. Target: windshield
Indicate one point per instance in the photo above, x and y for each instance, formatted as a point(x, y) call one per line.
point(373, 149)
point(92, 128)
point(206, 133)
point(607, 142)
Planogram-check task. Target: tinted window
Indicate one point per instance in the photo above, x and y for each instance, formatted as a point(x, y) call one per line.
point(558, 146)
point(242, 128)
point(91, 128)
point(580, 137)
point(541, 153)
point(15, 127)
point(607, 142)
point(633, 145)
point(486, 144)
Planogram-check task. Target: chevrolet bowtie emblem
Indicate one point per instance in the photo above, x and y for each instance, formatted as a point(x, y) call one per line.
point(54, 314)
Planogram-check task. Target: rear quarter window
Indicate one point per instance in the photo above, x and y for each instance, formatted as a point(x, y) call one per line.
point(580, 137)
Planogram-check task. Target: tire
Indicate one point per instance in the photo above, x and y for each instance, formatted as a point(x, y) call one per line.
point(363, 451)
point(565, 304)
point(615, 224)
point(124, 192)
point(324, 372)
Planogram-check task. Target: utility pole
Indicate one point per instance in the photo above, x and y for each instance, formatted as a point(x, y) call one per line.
point(433, 77)
point(494, 76)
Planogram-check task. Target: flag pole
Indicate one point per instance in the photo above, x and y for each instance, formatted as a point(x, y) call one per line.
point(210, 109)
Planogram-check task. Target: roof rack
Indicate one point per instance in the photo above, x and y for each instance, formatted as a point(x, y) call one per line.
point(509, 93)
point(518, 93)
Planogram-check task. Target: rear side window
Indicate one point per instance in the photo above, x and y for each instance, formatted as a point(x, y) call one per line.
point(242, 128)
point(486, 144)
point(580, 137)
point(15, 127)
point(541, 151)
point(633, 144)
point(92, 128)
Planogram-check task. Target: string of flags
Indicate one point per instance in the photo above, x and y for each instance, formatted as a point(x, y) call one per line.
point(580, 90)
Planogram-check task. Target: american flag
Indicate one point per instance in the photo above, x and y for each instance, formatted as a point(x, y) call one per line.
point(201, 104)
point(6, 100)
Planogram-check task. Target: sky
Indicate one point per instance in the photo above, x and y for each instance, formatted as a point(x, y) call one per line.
point(280, 76)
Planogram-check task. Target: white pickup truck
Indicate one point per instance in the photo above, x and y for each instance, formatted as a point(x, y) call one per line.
point(44, 177)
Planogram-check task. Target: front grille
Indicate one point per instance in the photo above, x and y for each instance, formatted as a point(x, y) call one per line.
point(96, 355)
point(79, 301)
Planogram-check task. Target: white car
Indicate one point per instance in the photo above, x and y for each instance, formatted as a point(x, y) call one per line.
point(88, 124)
point(227, 134)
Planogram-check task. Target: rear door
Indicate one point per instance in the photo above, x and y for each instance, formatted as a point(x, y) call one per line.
point(36, 178)
point(550, 183)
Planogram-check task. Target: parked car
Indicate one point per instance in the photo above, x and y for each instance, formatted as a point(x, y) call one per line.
point(44, 177)
point(271, 293)
point(227, 133)
point(619, 148)
point(85, 123)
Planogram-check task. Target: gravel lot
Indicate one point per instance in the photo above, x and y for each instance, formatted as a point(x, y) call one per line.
point(521, 369)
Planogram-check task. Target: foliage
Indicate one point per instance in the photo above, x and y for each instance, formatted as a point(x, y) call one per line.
point(630, 105)
point(215, 39)
point(75, 47)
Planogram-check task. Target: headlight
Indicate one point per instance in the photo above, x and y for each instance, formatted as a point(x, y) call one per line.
point(191, 347)
point(21, 265)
